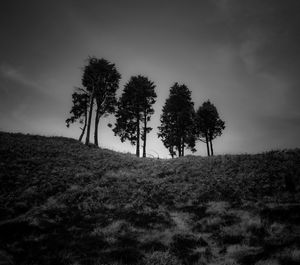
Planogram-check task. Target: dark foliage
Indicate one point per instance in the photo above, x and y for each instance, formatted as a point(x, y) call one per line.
point(134, 111)
point(101, 80)
point(79, 110)
point(176, 130)
point(184, 246)
point(208, 125)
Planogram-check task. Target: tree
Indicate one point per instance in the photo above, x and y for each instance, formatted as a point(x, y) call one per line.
point(135, 110)
point(79, 109)
point(177, 130)
point(101, 80)
point(208, 125)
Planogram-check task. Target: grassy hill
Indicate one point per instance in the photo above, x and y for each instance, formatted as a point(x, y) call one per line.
point(62, 202)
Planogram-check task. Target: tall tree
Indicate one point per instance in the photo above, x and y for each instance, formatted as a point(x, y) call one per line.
point(101, 79)
point(208, 125)
point(80, 99)
point(134, 111)
point(176, 130)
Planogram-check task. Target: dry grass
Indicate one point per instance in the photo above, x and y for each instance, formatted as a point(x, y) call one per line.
point(64, 203)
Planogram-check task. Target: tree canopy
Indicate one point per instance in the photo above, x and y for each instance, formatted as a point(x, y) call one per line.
point(181, 126)
point(134, 111)
point(176, 130)
point(79, 109)
point(208, 124)
point(101, 80)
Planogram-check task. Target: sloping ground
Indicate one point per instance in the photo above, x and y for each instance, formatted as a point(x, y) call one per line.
point(64, 203)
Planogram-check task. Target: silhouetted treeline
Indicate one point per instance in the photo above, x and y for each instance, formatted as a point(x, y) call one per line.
point(181, 125)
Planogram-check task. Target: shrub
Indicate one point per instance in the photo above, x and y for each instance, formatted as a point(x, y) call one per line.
point(153, 245)
point(126, 255)
point(232, 234)
point(268, 262)
point(244, 254)
point(161, 258)
point(290, 256)
point(184, 247)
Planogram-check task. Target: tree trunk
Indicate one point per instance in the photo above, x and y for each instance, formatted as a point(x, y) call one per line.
point(84, 126)
point(82, 133)
point(138, 136)
point(179, 149)
point(87, 140)
point(171, 150)
point(97, 118)
point(182, 151)
point(207, 144)
point(145, 135)
point(83, 130)
point(211, 147)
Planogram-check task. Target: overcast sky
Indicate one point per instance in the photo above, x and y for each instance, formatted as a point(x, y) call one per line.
point(242, 55)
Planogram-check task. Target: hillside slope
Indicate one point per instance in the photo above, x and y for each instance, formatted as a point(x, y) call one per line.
point(64, 203)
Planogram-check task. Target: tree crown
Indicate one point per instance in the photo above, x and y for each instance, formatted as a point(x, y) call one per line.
point(135, 104)
point(208, 121)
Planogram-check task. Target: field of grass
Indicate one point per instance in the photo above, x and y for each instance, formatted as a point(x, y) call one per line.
point(62, 202)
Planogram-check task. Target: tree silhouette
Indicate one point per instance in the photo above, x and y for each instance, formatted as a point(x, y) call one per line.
point(176, 130)
point(101, 80)
point(80, 99)
point(208, 125)
point(135, 108)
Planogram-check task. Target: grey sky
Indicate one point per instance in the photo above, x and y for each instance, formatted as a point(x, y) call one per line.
point(242, 55)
